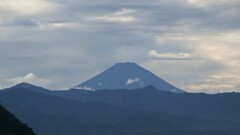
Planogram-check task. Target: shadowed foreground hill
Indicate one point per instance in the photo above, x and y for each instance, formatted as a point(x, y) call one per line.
point(9, 125)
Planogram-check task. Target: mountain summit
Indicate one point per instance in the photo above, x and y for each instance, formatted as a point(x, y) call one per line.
point(126, 75)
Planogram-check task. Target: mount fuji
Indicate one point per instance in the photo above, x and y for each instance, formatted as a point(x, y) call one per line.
point(126, 76)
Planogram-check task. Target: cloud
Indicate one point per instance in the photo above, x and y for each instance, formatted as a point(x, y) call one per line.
point(61, 39)
point(208, 4)
point(132, 81)
point(26, 7)
point(60, 25)
point(85, 88)
point(29, 78)
point(211, 88)
point(214, 54)
point(168, 56)
point(22, 23)
point(216, 83)
point(122, 16)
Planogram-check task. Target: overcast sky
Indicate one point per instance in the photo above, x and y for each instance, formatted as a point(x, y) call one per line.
point(57, 44)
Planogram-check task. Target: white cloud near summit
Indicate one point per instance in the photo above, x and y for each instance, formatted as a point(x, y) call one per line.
point(28, 78)
point(132, 81)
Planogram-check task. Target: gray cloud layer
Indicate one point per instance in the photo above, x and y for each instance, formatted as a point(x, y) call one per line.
point(68, 41)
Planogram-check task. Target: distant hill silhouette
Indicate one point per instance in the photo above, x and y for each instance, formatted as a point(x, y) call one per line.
point(9, 125)
point(116, 112)
point(126, 76)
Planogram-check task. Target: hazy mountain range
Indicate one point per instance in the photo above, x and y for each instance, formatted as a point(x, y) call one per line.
point(123, 100)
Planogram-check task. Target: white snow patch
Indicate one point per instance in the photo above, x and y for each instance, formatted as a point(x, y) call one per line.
point(131, 81)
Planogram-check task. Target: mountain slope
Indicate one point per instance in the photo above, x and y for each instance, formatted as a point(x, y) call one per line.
point(126, 75)
point(9, 125)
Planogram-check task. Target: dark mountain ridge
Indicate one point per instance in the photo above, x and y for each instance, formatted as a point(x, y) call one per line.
point(223, 106)
point(123, 111)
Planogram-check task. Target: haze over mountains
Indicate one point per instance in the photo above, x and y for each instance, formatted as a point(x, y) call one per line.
point(129, 101)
